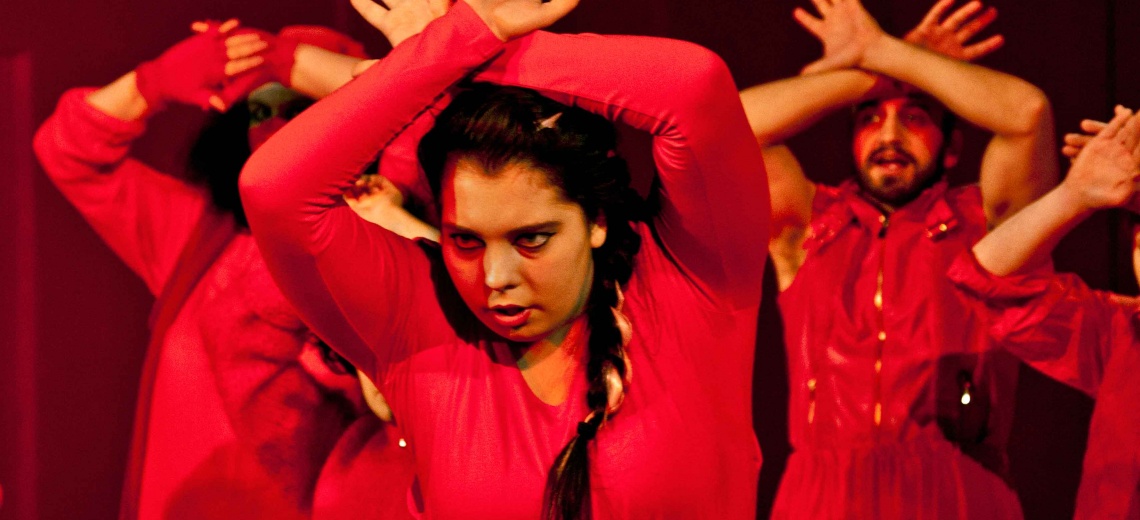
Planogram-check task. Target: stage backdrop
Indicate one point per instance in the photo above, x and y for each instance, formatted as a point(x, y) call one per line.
point(75, 318)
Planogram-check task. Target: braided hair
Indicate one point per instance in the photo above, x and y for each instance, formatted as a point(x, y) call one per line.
point(496, 126)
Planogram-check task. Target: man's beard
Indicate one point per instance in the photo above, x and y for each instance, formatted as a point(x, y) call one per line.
point(896, 193)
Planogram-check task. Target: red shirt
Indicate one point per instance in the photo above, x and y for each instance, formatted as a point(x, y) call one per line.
point(1088, 340)
point(880, 348)
point(243, 412)
point(682, 445)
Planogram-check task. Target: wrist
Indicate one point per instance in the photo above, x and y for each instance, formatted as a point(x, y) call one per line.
point(879, 52)
point(487, 18)
point(1070, 201)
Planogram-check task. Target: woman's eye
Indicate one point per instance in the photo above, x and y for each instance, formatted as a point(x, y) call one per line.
point(259, 113)
point(532, 240)
point(466, 242)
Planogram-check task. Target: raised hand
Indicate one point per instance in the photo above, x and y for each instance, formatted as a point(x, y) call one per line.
point(377, 200)
point(513, 18)
point(949, 36)
point(195, 69)
point(1105, 172)
point(845, 29)
point(400, 19)
point(1075, 142)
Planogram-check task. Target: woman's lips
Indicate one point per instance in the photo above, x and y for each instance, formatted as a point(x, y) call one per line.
point(510, 316)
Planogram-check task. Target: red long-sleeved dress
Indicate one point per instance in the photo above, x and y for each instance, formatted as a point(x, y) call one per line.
point(242, 412)
point(682, 445)
point(1086, 339)
point(881, 352)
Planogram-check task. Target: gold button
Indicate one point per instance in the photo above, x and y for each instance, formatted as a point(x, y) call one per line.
point(878, 413)
point(882, 335)
point(943, 227)
point(882, 218)
point(403, 443)
point(878, 366)
point(811, 384)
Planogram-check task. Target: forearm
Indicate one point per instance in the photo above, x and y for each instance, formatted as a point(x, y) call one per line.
point(998, 102)
point(120, 99)
point(317, 72)
point(781, 109)
point(1027, 238)
point(712, 179)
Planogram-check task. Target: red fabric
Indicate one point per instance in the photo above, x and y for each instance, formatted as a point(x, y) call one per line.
point(280, 54)
point(210, 237)
point(930, 456)
point(239, 424)
point(682, 445)
point(189, 72)
point(1084, 338)
point(367, 475)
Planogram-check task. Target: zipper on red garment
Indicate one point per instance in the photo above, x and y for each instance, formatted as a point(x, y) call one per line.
point(877, 390)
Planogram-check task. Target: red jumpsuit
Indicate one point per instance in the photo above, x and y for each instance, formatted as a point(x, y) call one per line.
point(682, 444)
point(242, 411)
point(881, 349)
point(1084, 338)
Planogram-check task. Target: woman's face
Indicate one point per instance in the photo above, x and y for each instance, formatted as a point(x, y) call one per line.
point(518, 251)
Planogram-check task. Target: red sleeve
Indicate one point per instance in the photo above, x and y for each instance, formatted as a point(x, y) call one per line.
point(1052, 321)
point(713, 188)
point(144, 216)
point(366, 291)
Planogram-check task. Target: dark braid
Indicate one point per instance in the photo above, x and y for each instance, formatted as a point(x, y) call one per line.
point(499, 125)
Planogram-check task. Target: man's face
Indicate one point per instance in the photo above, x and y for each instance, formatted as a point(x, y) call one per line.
point(898, 147)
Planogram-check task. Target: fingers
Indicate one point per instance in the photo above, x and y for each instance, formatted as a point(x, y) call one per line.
point(240, 65)
point(976, 25)
point(810, 23)
point(217, 103)
point(1113, 127)
point(822, 7)
point(1074, 143)
point(237, 89)
point(958, 18)
point(982, 48)
point(372, 12)
point(935, 14)
point(228, 25)
point(1091, 126)
point(244, 45)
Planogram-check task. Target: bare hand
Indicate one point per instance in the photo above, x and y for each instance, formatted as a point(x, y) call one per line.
point(949, 36)
point(373, 194)
point(401, 19)
point(1106, 171)
point(1074, 143)
point(513, 18)
point(845, 29)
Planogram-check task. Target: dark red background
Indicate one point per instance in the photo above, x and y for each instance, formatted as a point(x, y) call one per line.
point(74, 318)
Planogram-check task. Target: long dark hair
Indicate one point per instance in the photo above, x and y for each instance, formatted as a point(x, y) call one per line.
point(217, 156)
point(500, 125)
